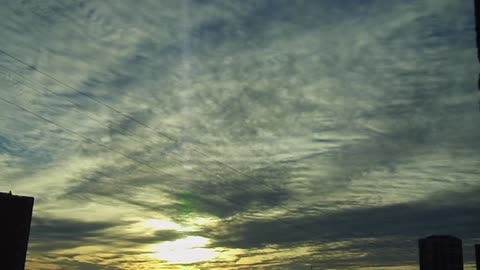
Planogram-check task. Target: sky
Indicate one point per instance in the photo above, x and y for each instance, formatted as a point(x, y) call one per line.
point(256, 134)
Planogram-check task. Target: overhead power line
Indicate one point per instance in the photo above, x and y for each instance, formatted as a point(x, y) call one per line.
point(204, 170)
point(175, 156)
point(222, 164)
point(172, 138)
point(90, 97)
point(84, 137)
point(233, 202)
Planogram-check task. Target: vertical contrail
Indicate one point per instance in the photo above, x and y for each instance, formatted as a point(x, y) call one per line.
point(184, 98)
point(185, 69)
point(477, 31)
point(185, 39)
point(477, 26)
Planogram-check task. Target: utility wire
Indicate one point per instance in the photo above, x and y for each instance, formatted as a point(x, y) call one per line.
point(84, 137)
point(477, 5)
point(231, 201)
point(234, 203)
point(206, 171)
point(75, 104)
point(121, 131)
point(115, 110)
point(175, 156)
point(162, 134)
point(90, 97)
point(136, 121)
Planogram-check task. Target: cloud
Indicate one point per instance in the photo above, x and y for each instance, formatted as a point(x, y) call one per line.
point(375, 230)
point(265, 126)
point(56, 234)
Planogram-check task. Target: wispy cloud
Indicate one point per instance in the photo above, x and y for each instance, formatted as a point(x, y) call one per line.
point(284, 133)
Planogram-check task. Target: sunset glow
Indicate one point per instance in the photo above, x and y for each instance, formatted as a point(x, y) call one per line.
point(240, 134)
point(184, 251)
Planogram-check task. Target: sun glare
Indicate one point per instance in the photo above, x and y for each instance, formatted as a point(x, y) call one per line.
point(165, 225)
point(184, 251)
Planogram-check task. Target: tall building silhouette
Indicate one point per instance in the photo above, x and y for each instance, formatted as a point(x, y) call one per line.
point(477, 255)
point(16, 216)
point(440, 252)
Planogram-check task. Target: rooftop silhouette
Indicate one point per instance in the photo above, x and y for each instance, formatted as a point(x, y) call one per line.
point(477, 255)
point(440, 252)
point(16, 213)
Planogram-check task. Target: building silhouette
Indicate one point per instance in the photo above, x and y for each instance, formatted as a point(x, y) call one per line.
point(477, 255)
point(16, 216)
point(440, 252)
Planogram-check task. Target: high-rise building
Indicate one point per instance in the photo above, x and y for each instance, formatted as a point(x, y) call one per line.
point(440, 252)
point(15, 219)
point(477, 255)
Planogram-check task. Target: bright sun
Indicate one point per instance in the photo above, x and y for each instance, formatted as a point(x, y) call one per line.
point(165, 225)
point(184, 251)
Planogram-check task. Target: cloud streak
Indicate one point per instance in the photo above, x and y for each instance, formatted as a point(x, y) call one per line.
point(284, 133)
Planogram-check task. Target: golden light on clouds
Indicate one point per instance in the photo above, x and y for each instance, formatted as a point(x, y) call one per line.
point(138, 132)
point(165, 225)
point(184, 251)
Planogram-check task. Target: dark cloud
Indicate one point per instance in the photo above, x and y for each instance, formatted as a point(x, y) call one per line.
point(157, 237)
point(258, 189)
point(387, 233)
point(57, 234)
point(356, 122)
point(88, 266)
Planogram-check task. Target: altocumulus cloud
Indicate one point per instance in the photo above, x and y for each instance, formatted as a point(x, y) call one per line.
point(284, 133)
